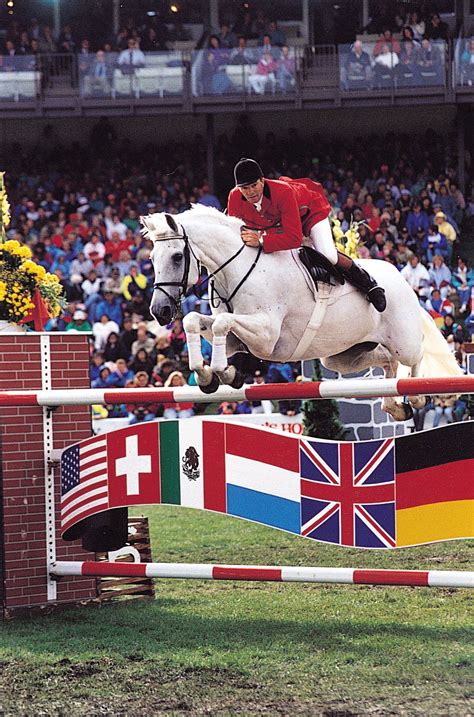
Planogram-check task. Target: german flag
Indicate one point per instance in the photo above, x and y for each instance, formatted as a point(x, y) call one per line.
point(435, 485)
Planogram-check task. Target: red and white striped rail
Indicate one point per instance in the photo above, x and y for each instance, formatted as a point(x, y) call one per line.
point(341, 388)
point(347, 576)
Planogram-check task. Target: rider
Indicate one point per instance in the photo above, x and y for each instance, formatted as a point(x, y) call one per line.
point(278, 213)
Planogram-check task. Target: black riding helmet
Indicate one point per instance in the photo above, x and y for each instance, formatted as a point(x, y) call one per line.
point(247, 171)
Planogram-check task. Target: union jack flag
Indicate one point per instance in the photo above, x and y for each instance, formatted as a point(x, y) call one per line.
point(348, 493)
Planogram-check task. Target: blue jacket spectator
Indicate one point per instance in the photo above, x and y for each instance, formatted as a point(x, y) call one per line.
point(110, 305)
point(122, 374)
point(417, 219)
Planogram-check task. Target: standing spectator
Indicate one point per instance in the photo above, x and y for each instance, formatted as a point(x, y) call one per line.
point(436, 28)
point(131, 59)
point(286, 69)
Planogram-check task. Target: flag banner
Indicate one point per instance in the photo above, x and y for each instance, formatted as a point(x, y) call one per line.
point(388, 493)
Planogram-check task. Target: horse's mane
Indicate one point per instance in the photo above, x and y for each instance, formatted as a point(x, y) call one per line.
point(151, 222)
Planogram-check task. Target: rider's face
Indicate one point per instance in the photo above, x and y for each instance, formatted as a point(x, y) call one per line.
point(253, 192)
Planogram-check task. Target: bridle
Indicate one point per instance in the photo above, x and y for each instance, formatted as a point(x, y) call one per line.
point(210, 278)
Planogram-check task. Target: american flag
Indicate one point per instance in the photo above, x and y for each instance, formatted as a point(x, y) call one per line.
point(348, 493)
point(84, 486)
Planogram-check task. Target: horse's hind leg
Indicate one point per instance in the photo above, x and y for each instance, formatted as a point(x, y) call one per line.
point(359, 358)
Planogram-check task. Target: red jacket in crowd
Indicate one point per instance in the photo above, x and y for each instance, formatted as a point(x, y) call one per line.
point(290, 208)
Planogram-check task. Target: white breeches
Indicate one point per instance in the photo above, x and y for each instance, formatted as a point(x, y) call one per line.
point(322, 240)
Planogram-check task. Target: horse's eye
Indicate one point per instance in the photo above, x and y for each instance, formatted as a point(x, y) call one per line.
point(178, 257)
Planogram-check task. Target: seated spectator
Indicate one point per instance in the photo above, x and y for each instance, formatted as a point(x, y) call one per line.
point(215, 80)
point(467, 63)
point(417, 276)
point(147, 411)
point(429, 63)
point(241, 55)
point(438, 307)
point(145, 340)
point(452, 328)
point(436, 29)
point(94, 249)
point(98, 80)
point(417, 219)
point(385, 62)
point(443, 405)
point(286, 70)
point(131, 59)
point(101, 330)
point(440, 275)
point(264, 75)
point(407, 69)
point(121, 375)
point(142, 362)
point(80, 265)
point(96, 363)
point(103, 379)
point(470, 325)
point(386, 39)
point(108, 303)
point(177, 410)
point(435, 243)
point(357, 69)
point(463, 281)
point(127, 336)
point(445, 201)
point(138, 308)
point(133, 282)
point(79, 322)
point(92, 285)
point(113, 350)
point(447, 229)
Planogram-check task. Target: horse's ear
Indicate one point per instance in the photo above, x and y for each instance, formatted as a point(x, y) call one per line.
point(171, 223)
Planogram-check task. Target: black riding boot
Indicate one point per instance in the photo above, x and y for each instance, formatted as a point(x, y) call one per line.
point(362, 280)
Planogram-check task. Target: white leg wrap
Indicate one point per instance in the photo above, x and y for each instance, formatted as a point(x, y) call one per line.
point(194, 351)
point(219, 356)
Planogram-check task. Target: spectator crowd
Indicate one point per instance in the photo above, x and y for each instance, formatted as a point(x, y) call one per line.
point(78, 207)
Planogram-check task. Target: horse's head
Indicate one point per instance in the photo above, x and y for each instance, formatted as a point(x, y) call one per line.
point(176, 267)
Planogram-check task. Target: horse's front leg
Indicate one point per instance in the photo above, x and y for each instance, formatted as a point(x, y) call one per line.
point(250, 329)
point(196, 325)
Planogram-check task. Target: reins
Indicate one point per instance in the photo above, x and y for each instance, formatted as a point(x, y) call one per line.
point(209, 279)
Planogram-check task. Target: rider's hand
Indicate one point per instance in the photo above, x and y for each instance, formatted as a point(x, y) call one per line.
point(250, 237)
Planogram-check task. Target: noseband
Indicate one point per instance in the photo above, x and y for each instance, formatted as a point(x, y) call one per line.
point(183, 284)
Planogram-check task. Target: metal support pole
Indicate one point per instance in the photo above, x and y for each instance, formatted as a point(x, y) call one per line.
point(460, 131)
point(56, 19)
point(305, 21)
point(210, 150)
point(214, 14)
point(116, 16)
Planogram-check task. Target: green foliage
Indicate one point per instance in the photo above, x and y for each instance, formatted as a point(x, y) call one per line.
point(321, 418)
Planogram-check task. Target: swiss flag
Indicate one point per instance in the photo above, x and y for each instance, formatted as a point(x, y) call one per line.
point(133, 465)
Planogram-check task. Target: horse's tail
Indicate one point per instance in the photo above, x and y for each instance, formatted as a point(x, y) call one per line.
point(437, 358)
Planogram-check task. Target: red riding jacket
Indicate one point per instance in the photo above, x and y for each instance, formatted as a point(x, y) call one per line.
point(290, 208)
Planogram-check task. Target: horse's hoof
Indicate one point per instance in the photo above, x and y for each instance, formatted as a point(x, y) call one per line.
point(212, 386)
point(238, 381)
point(408, 411)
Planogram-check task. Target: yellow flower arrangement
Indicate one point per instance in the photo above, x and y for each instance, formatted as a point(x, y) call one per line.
point(21, 277)
point(347, 242)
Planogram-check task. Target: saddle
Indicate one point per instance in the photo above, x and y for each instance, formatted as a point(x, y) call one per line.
point(320, 268)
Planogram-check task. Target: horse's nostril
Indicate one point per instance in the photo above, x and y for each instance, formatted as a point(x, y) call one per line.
point(164, 315)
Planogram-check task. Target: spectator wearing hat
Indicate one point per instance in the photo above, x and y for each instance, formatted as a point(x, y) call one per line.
point(177, 410)
point(446, 228)
point(79, 322)
point(108, 303)
point(265, 406)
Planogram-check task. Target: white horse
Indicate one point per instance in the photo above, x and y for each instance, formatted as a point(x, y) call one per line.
point(268, 305)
